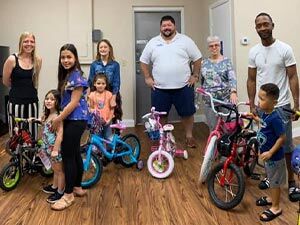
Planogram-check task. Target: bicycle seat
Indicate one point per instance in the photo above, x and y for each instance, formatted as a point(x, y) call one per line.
point(168, 127)
point(119, 126)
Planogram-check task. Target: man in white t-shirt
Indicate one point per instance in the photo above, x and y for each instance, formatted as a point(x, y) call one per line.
point(171, 79)
point(273, 61)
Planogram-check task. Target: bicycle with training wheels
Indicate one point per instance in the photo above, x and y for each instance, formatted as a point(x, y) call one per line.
point(25, 155)
point(225, 127)
point(121, 149)
point(160, 163)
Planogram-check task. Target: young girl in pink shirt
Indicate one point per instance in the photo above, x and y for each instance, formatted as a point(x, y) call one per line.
point(99, 103)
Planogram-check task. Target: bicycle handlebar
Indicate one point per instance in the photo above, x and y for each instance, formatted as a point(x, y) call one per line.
point(153, 113)
point(292, 111)
point(24, 120)
point(212, 100)
point(119, 125)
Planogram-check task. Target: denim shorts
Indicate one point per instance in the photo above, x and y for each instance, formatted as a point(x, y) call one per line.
point(182, 99)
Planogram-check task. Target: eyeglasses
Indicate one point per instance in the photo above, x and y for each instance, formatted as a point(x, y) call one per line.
point(215, 45)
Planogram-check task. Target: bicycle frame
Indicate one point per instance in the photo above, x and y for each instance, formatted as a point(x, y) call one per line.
point(99, 143)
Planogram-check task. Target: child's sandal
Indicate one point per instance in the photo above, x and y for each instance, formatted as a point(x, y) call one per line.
point(62, 203)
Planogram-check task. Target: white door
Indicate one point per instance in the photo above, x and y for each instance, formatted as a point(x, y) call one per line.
point(220, 24)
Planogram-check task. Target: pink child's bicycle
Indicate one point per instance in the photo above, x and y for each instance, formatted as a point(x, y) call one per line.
point(160, 162)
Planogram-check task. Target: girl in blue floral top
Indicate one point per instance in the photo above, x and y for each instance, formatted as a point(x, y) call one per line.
point(72, 86)
point(218, 78)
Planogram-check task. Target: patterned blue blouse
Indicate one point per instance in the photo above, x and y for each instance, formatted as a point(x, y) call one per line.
point(218, 78)
point(75, 79)
point(111, 69)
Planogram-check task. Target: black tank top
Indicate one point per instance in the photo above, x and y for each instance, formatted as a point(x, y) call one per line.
point(22, 89)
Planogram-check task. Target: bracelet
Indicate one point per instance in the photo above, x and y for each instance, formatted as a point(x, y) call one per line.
point(234, 91)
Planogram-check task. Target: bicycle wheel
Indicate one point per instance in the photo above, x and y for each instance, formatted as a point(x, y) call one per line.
point(208, 159)
point(160, 164)
point(93, 174)
point(46, 173)
point(135, 145)
point(10, 176)
point(230, 194)
point(251, 156)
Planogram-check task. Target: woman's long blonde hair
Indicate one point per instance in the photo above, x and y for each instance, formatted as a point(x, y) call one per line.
point(35, 61)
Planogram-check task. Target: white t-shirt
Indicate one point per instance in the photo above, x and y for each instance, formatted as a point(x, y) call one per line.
point(271, 63)
point(171, 69)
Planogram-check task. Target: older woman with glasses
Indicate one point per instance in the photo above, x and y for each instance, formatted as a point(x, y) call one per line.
point(218, 78)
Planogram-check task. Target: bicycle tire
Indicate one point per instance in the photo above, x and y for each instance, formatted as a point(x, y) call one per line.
point(208, 159)
point(10, 176)
point(251, 156)
point(93, 174)
point(214, 187)
point(160, 169)
point(46, 173)
point(135, 144)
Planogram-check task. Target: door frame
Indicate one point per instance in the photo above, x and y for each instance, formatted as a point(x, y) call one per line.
point(211, 7)
point(149, 9)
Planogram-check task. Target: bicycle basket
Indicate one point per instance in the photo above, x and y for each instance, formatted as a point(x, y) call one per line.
point(152, 129)
point(224, 145)
point(153, 135)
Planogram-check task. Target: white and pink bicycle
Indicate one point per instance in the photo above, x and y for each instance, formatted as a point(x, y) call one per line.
point(161, 161)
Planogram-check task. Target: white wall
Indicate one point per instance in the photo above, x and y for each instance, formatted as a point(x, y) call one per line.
point(285, 15)
point(51, 23)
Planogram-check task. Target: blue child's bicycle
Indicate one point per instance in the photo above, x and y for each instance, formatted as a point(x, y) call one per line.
point(124, 150)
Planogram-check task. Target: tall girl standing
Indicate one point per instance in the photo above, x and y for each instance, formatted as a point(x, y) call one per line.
point(72, 86)
point(20, 73)
point(105, 63)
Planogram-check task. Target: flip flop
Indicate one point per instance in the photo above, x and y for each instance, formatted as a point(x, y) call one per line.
point(269, 215)
point(263, 201)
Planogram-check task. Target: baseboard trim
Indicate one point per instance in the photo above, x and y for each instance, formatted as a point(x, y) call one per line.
point(129, 122)
point(200, 118)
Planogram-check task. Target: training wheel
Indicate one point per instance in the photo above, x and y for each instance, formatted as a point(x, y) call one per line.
point(140, 165)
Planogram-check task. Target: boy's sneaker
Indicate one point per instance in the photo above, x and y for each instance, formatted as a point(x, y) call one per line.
point(264, 184)
point(49, 189)
point(294, 194)
point(54, 197)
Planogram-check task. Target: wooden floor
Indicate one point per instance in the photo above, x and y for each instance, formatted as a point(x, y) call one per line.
point(128, 196)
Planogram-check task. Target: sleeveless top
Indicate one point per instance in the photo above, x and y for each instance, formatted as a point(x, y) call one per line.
point(22, 89)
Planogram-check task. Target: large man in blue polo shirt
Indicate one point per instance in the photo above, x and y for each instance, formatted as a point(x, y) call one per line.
point(171, 79)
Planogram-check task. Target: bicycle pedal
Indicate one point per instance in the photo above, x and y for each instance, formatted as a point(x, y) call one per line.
point(255, 176)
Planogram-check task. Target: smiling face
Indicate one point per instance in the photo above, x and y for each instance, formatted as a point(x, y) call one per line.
point(100, 84)
point(27, 43)
point(50, 102)
point(214, 48)
point(67, 59)
point(167, 29)
point(104, 49)
point(264, 27)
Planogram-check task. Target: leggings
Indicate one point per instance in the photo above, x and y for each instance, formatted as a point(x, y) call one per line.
point(70, 152)
point(23, 111)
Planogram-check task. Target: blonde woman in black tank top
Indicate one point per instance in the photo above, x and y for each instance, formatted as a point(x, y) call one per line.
point(20, 74)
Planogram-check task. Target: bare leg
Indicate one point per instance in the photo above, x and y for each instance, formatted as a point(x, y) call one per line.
point(188, 123)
